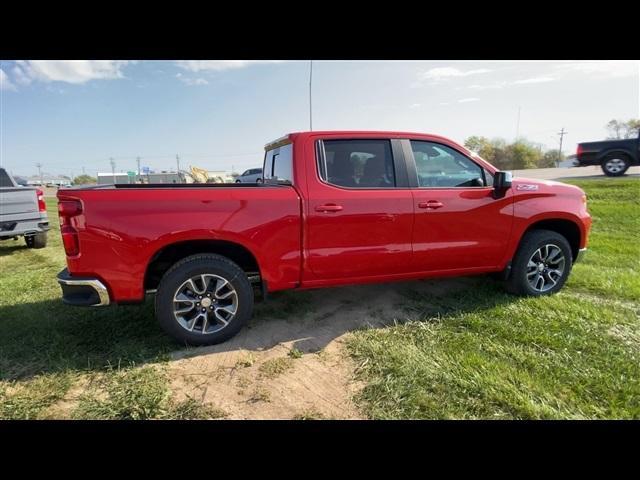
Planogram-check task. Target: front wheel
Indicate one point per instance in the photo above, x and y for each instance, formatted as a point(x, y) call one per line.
point(615, 165)
point(541, 265)
point(204, 299)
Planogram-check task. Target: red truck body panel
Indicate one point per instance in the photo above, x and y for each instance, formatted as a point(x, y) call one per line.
point(121, 230)
point(376, 235)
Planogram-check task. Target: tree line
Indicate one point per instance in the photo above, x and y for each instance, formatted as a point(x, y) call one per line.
point(518, 155)
point(523, 154)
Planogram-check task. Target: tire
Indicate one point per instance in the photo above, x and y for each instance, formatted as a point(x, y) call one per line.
point(615, 164)
point(523, 273)
point(258, 180)
point(238, 181)
point(39, 240)
point(176, 280)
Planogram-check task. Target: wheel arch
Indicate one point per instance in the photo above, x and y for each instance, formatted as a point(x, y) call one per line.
point(169, 254)
point(617, 151)
point(569, 229)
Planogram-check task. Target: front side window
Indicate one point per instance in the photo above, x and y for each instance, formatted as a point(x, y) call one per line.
point(357, 163)
point(441, 166)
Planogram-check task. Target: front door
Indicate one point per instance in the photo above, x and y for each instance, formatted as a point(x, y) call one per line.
point(459, 224)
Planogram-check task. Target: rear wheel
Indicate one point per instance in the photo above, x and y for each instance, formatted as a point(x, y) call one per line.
point(204, 299)
point(615, 164)
point(39, 240)
point(541, 265)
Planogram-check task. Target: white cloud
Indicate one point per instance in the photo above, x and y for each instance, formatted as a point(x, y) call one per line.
point(602, 69)
point(489, 86)
point(534, 80)
point(5, 83)
point(415, 105)
point(218, 65)
point(466, 100)
point(440, 73)
point(69, 71)
point(194, 81)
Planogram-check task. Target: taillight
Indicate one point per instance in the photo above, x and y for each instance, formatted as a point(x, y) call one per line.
point(66, 210)
point(70, 240)
point(579, 150)
point(69, 208)
point(42, 206)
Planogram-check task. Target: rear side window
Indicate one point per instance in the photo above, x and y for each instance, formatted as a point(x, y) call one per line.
point(357, 163)
point(278, 165)
point(5, 181)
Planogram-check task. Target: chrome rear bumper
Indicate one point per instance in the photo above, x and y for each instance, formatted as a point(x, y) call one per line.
point(80, 291)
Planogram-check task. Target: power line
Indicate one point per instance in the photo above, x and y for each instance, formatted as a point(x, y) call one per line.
point(113, 169)
point(562, 133)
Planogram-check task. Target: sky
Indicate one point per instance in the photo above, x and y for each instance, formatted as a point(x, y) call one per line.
point(70, 115)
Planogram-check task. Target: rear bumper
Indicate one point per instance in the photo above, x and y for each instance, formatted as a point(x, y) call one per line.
point(580, 255)
point(82, 291)
point(23, 227)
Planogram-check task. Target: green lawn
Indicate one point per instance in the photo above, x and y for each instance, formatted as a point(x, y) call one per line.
point(481, 353)
point(477, 353)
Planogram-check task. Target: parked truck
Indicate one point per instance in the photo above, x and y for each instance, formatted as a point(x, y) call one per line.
point(23, 212)
point(614, 156)
point(333, 208)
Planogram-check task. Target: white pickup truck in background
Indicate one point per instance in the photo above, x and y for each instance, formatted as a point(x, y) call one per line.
point(23, 212)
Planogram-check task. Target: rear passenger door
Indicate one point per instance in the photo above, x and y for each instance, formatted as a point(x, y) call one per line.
point(359, 209)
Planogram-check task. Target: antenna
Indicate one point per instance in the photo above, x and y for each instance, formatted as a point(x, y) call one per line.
point(310, 104)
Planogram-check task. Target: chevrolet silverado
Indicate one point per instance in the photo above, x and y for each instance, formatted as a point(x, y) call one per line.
point(333, 208)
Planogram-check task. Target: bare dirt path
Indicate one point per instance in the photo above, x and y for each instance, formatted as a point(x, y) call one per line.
point(255, 375)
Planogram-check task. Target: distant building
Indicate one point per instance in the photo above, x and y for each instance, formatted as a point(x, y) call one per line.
point(60, 181)
point(120, 178)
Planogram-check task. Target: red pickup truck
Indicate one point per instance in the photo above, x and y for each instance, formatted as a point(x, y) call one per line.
point(333, 208)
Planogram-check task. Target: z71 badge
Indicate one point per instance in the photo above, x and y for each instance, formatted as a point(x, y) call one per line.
point(527, 187)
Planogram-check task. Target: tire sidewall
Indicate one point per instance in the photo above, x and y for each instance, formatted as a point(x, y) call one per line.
point(175, 277)
point(525, 253)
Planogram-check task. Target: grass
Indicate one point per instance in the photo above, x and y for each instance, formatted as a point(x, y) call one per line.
point(477, 353)
point(480, 353)
point(275, 366)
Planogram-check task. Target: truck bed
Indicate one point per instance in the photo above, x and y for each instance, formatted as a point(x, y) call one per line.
point(123, 228)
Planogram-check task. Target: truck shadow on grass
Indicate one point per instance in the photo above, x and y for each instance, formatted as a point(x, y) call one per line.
point(48, 336)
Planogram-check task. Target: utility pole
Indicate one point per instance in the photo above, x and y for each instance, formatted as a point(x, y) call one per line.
point(39, 165)
point(83, 170)
point(518, 125)
point(138, 162)
point(178, 163)
point(562, 133)
point(113, 169)
point(310, 104)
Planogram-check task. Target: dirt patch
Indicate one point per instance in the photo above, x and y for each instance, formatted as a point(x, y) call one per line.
point(290, 360)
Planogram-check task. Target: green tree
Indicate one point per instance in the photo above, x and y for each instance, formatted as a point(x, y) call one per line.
point(83, 180)
point(523, 155)
point(623, 129)
point(549, 159)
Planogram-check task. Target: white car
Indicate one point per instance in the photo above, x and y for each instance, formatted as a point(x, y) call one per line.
point(253, 175)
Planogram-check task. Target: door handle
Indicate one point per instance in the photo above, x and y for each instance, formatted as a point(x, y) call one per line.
point(430, 204)
point(328, 208)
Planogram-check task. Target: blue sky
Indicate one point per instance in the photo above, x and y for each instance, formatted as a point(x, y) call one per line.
point(73, 114)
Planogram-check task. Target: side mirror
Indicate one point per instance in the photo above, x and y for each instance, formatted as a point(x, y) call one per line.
point(501, 183)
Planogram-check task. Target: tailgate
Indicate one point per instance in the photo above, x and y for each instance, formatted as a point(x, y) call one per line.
point(18, 203)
